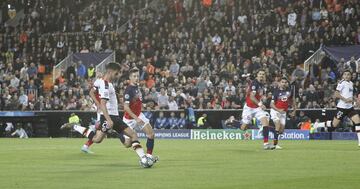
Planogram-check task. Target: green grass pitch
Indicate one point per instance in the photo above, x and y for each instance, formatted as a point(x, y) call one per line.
point(58, 163)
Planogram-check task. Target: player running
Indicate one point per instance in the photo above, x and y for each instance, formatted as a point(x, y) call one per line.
point(254, 108)
point(133, 116)
point(109, 113)
point(345, 93)
point(282, 96)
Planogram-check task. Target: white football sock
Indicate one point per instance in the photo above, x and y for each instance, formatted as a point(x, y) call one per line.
point(79, 129)
point(357, 129)
point(138, 149)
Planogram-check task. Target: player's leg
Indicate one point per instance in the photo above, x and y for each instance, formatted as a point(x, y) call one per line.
point(275, 117)
point(96, 127)
point(134, 141)
point(149, 134)
point(246, 117)
point(279, 129)
point(336, 120)
point(150, 138)
point(263, 116)
point(356, 120)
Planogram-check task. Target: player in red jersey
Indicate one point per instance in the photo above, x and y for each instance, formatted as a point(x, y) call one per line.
point(133, 116)
point(281, 99)
point(254, 107)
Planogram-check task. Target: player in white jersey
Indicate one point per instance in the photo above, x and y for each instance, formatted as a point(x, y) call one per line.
point(344, 92)
point(110, 113)
point(94, 94)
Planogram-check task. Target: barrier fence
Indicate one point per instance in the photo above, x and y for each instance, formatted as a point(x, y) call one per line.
point(50, 122)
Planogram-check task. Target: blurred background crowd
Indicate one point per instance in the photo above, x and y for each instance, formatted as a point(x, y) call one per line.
point(191, 53)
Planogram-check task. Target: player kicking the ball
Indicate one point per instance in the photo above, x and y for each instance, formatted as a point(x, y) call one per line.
point(109, 113)
point(133, 116)
point(255, 108)
point(94, 94)
point(345, 93)
point(282, 96)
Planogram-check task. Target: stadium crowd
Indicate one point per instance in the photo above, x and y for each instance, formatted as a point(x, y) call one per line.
point(190, 53)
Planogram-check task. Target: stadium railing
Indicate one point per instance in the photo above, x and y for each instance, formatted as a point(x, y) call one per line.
point(54, 119)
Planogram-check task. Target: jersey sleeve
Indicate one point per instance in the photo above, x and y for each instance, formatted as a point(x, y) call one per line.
point(275, 95)
point(96, 84)
point(129, 94)
point(340, 86)
point(254, 86)
point(104, 90)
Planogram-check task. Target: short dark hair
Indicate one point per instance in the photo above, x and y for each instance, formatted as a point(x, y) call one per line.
point(113, 66)
point(346, 70)
point(133, 70)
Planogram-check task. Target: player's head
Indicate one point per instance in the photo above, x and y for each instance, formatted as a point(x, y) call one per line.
point(346, 75)
point(134, 75)
point(112, 70)
point(284, 83)
point(260, 75)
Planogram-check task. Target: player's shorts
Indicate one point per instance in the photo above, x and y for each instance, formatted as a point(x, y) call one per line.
point(277, 116)
point(133, 124)
point(249, 113)
point(341, 113)
point(118, 126)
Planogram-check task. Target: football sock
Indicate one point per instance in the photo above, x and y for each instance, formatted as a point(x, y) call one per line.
point(88, 143)
point(330, 126)
point(150, 145)
point(138, 149)
point(122, 137)
point(357, 130)
point(79, 129)
point(84, 131)
point(266, 134)
point(276, 137)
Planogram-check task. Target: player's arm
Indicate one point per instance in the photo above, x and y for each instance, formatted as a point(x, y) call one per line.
point(338, 95)
point(256, 101)
point(93, 97)
point(127, 98)
point(105, 96)
point(339, 88)
point(128, 110)
point(272, 105)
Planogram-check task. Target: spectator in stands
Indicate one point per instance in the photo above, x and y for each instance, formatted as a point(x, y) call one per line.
point(172, 103)
point(161, 122)
point(172, 120)
point(23, 100)
point(91, 71)
point(163, 99)
point(81, 70)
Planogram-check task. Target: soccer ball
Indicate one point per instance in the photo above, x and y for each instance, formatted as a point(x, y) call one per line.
point(146, 162)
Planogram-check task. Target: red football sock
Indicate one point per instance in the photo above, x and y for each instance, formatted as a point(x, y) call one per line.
point(89, 143)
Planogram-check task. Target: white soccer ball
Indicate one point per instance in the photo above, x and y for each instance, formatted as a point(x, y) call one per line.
point(146, 162)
